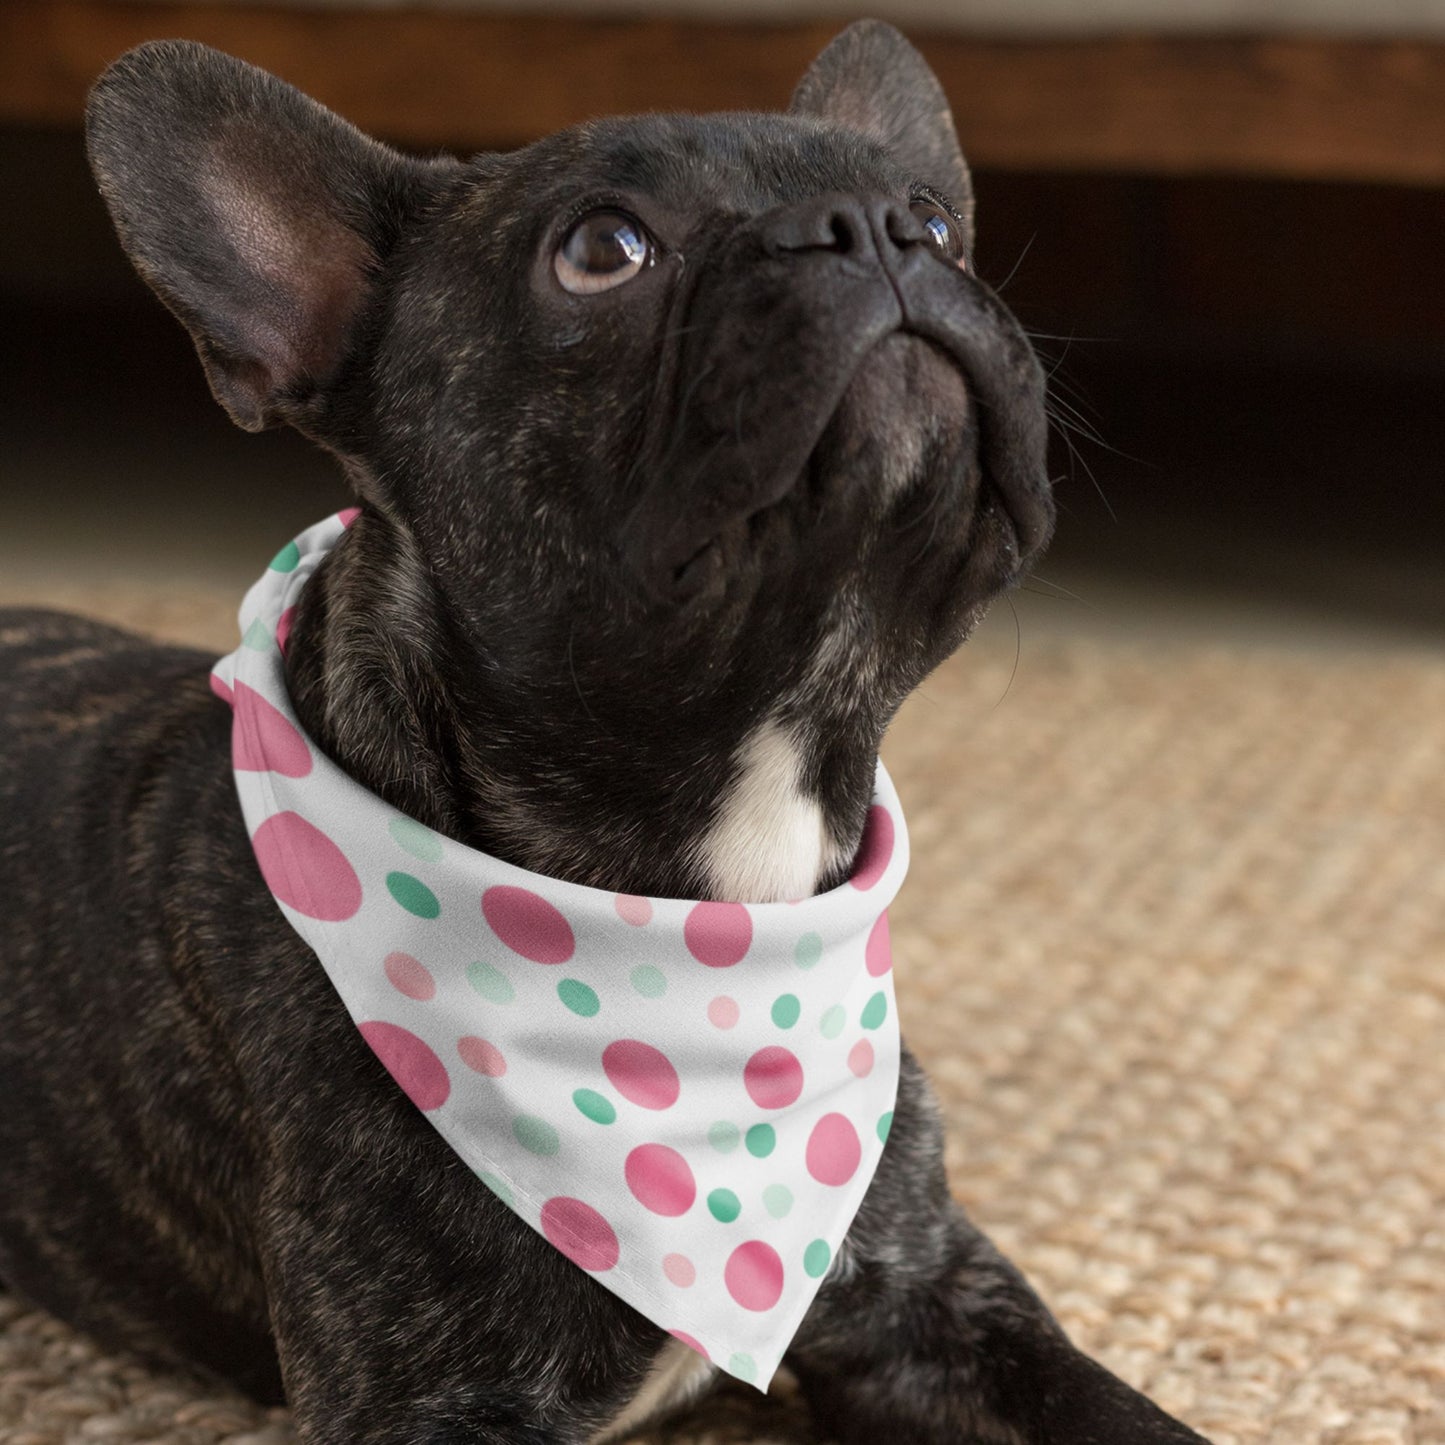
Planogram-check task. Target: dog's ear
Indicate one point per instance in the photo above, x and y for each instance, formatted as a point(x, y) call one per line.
point(258, 216)
point(872, 80)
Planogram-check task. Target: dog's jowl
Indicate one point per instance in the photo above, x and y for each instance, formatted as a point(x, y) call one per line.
point(384, 1041)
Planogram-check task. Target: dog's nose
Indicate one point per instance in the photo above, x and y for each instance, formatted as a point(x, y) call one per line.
point(844, 225)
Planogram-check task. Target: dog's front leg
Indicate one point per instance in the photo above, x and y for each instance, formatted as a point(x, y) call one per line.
point(409, 1307)
point(925, 1333)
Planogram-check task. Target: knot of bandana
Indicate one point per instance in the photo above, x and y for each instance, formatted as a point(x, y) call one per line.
point(687, 1099)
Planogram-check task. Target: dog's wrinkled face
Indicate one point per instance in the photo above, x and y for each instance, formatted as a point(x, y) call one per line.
point(680, 423)
point(781, 416)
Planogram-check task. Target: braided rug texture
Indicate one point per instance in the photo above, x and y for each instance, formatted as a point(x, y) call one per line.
point(1173, 950)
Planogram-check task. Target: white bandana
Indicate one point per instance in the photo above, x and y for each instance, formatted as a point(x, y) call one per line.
point(688, 1100)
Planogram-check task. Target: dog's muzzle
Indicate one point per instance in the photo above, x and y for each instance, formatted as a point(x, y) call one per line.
point(773, 339)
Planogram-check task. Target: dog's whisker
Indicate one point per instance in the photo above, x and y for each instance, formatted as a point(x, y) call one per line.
point(572, 673)
point(1055, 590)
point(1018, 653)
point(1013, 270)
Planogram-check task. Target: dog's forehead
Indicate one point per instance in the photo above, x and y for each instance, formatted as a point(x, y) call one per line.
point(740, 162)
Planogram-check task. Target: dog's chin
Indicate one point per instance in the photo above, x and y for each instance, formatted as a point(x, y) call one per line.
point(905, 445)
point(905, 416)
point(899, 449)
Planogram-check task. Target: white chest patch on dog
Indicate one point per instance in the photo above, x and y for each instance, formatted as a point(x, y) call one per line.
point(687, 1099)
point(769, 842)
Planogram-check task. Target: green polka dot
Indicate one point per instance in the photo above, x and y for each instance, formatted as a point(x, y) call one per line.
point(420, 842)
point(809, 950)
point(535, 1135)
point(582, 1000)
point(724, 1137)
point(777, 1200)
point(648, 981)
point(816, 1258)
point(286, 559)
point(761, 1140)
point(743, 1366)
point(490, 982)
point(413, 895)
point(786, 1009)
point(885, 1123)
point(595, 1106)
point(874, 1011)
point(258, 637)
point(724, 1205)
point(499, 1187)
point(832, 1021)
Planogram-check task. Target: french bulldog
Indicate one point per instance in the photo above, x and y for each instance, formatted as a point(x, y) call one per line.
point(684, 447)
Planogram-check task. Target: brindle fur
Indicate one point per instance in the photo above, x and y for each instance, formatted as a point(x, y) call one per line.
point(574, 589)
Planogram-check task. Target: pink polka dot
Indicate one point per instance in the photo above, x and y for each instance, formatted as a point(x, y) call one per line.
point(860, 1058)
point(528, 924)
point(481, 1057)
point(879, 953)
point(283, 628)
point(691, 1343)
point(718, 934)
point(641, 1073)
point(679, 1270)
point(348, 515)
point(754, 1275)
point(222, 691)
point(723, 1012)
point(773, 1077)
point(582, 1234)
point(305, 869)
point(876, 848)
point(410, 977)
point(660, 1179)
point(632, 909)
point(833, 1150)
point(422, 1076)
point(263, 741)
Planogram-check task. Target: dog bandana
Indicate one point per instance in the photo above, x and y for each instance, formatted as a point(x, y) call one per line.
point(687, 1099)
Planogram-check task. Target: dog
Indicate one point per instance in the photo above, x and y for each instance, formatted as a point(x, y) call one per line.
point(684, 448)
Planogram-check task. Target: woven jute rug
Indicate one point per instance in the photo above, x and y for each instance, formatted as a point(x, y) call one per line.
point(1173, 949)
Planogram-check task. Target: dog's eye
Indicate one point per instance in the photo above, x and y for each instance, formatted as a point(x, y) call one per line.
point(601, 251)
point(942, 231)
